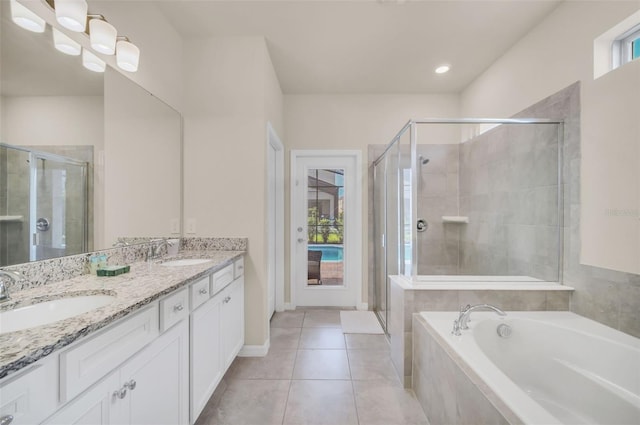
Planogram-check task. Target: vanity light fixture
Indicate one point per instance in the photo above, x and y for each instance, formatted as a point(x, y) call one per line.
point(65, 44)
point(442, 69)
point(127, 55)
point(72, 14)
point(92, 62)
point(25, 18)
point(102, 35)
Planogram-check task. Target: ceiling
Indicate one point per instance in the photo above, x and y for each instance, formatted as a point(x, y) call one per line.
point(367, 46)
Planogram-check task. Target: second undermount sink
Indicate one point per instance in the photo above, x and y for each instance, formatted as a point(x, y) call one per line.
point(185, 262)
point(52, 311)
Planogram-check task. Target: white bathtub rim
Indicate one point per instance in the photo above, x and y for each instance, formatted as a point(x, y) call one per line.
point(514, 397)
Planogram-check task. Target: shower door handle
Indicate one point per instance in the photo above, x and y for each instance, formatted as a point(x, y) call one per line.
point(422, 225)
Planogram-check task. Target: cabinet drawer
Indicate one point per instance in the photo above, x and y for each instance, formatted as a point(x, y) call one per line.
point(173, 309)
point(238, 268)
point(86, 363)
point(200, 292)
point(221, 278)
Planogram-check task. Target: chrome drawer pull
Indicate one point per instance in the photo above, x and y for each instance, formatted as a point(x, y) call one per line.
point(6, 419)
point(131, 384)
point(178, 307)
point(203, 291)
point(121, 393)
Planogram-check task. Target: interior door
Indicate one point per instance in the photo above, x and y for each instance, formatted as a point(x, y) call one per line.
point(326, 234)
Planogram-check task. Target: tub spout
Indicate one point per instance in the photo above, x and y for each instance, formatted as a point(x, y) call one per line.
point(465, 315)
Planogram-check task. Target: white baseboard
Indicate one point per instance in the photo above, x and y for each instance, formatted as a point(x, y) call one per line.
point(254, 350)
point(363, 306)
point(289, 306)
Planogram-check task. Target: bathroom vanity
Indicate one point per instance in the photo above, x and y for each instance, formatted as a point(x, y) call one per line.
point(153, 356)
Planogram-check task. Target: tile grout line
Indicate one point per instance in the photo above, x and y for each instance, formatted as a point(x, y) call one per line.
point(286, 403)
point(353, 387)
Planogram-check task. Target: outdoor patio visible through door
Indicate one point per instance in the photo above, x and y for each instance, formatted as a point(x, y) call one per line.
point(326, 237)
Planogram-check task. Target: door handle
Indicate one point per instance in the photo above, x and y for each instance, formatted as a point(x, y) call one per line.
point(300, 240)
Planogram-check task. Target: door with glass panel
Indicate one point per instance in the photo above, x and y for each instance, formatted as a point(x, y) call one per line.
point(326, 245)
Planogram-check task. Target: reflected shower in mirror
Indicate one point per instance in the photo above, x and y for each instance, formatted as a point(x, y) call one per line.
point(93, 155)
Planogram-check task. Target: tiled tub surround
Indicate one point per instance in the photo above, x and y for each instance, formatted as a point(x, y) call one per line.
point(407, 299)
point(146, 282)
point(544, 372)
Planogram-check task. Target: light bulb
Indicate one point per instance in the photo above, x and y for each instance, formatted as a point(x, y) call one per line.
point(442, 69)
point(72, 14)
point(25, 18)
point(127, 56)
point(65, 44)
point(92, 62)
point(102, 36)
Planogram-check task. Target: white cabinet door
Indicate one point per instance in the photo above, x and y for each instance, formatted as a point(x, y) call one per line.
point(157, 383)
point(232, 321)
point(93, 407)
point(206, 362)
point(30, 396)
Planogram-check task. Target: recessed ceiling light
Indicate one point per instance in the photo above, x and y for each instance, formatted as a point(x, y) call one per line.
point(442, 69)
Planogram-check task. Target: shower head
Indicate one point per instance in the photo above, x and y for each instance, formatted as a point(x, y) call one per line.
point(423, 160)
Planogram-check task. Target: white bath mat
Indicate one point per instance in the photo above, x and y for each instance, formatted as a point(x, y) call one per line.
point(360, 322)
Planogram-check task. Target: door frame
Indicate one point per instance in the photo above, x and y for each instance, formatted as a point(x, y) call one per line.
point(353, 222)
point(275, 205)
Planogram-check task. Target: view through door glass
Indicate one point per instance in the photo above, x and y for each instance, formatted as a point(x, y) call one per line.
point(325, 224)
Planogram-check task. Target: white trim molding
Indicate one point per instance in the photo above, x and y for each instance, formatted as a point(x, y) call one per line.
point(255, 350)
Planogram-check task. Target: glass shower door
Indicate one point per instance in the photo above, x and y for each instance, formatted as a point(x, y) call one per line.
point(58, 206)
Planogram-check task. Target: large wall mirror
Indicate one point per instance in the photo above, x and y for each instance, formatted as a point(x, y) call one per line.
point(85, 157)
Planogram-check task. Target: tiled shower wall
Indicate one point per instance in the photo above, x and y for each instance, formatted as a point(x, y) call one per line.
point(607, 296)
point(438, 195)
point(509, 191)
point(14, 201)
point(506, 182)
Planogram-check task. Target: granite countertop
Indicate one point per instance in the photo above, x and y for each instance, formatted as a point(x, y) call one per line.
point(145, 283)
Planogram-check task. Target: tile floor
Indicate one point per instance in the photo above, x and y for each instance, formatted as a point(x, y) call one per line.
point(314, 374)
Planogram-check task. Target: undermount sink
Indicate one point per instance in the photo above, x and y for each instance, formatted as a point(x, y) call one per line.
point(185, 262)
point(48, 312)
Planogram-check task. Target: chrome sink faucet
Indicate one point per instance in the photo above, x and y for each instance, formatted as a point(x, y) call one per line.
point(4, 291)
point(154, 248)
point(462, 322)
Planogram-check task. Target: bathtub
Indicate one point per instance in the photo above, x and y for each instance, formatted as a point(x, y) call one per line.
point(554, 368)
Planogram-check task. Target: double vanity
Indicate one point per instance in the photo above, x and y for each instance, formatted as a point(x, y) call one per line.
point(145, 347)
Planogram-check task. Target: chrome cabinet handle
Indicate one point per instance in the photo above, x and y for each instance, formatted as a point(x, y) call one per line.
point(226, 300)
point(178, 307)
point(202, 291)
point(121, 393)
point(131, 384)
point(6, 419)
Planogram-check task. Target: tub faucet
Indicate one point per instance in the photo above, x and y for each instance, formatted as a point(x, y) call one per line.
point(4, 291)
point(462, 322)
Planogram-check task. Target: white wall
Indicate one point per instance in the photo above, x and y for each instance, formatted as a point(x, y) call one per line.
point(230, 92)
point(53, 120)
point(160, 70)
point(353, 122)
point(141, 162)
point(555, 54)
